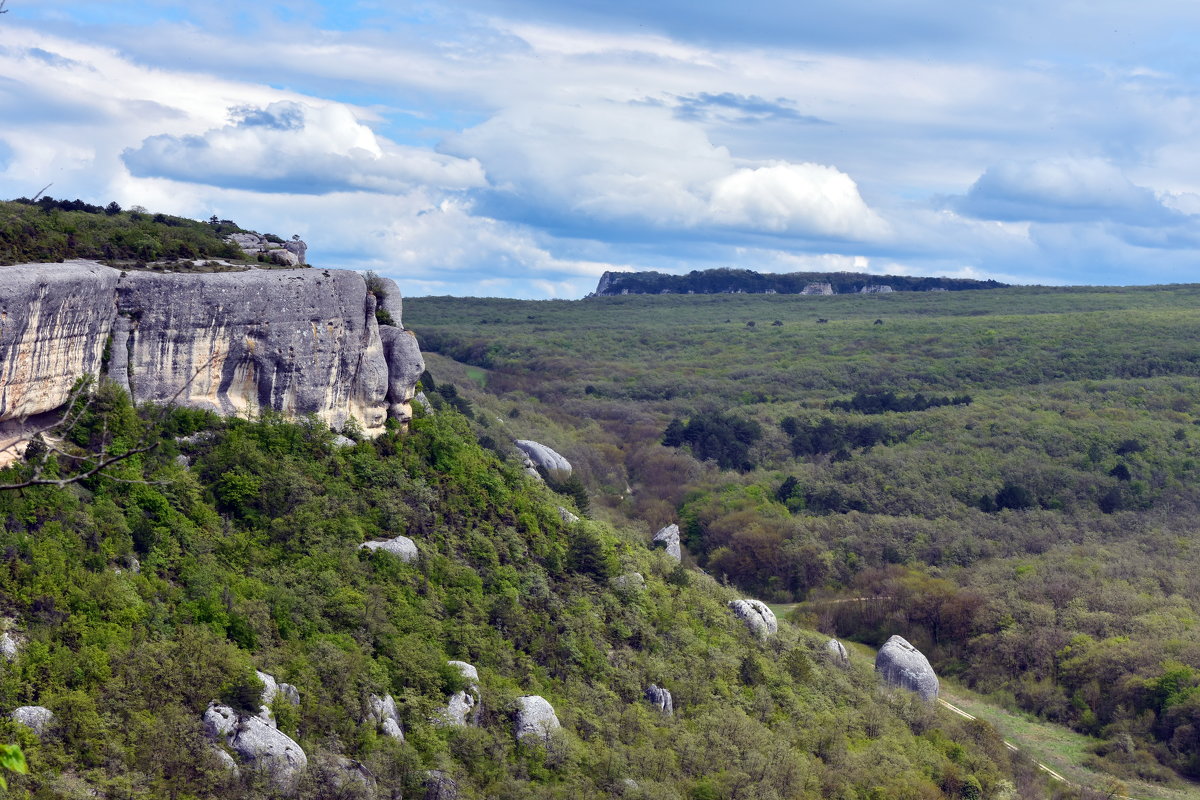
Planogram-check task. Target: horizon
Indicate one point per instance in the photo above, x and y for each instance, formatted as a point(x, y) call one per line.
point(521, 149)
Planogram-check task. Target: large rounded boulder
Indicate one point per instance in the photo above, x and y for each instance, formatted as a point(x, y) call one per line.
point(535, 717)
point(758, 618)
point(905, 667)
point(258, 744)
point(545, 459)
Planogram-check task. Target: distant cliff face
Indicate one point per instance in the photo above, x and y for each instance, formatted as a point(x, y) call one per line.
point(299, 341)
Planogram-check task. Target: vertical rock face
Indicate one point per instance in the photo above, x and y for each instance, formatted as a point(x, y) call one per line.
point(297, 341)
point(905, 667)
point(54, 323)
point(301, 342)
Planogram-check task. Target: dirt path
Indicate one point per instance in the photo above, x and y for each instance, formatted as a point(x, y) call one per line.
point(1016, 749)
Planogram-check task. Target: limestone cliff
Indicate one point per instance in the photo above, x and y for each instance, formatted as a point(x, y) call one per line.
point(301, 341)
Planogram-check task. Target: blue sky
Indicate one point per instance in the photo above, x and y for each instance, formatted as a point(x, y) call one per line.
point(522, 147)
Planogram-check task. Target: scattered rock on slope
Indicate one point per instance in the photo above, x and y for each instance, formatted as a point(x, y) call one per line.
point(462, 707)
point(37, 718)
point(546, 459)
point(535, 717)
point(758, 618)
point(383, 713)
point(402, 547)
point(668, 539)
point(904, 666)
point(837, 652)
point(257, 743)
point(661, 699)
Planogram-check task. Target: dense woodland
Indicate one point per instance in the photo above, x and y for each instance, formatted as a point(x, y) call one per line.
point(1013, 473)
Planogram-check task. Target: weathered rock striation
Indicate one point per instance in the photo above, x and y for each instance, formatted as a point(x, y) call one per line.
point(298, 341)
point(661, 699)
point(905, 667)
point(758, 618)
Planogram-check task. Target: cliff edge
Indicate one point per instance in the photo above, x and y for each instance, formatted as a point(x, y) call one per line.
point(303, 341)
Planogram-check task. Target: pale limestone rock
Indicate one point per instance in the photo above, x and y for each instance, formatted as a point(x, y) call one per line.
point(402, 547)
point(535, 717)
point(876, 288)
point(668, 539)
point(818, 288)
point(567, 516)
point(10, 640)
point(54, 322)
point(463, 706)
point(546, 459)
point(257, 744)
point(37, 718)
point(903, 666)
point(382, 711)
point(340, 441)
point(837, 651)
point(405, 365)
point(758, 618)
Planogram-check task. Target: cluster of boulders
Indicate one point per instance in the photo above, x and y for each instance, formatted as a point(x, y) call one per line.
point(462, 708)
point(289, 254)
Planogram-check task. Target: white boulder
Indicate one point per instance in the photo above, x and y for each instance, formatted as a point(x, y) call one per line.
point(758, 618)
point(535, 717)
point(37, 718)
point(402, 547)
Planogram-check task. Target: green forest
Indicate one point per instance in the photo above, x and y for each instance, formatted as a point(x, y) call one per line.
point(1009, 477)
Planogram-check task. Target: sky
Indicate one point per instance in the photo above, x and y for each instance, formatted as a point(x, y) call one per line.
point(522, 148)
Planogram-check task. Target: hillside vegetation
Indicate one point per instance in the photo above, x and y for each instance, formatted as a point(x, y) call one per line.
point(140, 595)
point(54, 230)
point(1013, 472)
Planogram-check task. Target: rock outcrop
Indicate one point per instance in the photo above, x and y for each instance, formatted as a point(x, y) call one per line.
point(37, 718)
point(818, 288)
point(298, 341)
point(272, 690)
point(462, 708)
point(257, 744)
point(758, 618)
point(668, 539)
point(401, 547)
point(661, 699)
point(10, 640)
point(630, 583)
point(545, 459)
point(290, 254)
point(837, 651)
point(905, 667)
point(535, 717)
point(382, 711)
point(875, 288)
point(440, 786)
point(567, 516)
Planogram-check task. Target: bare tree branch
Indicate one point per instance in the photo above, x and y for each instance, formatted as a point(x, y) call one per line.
point(99, 460)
